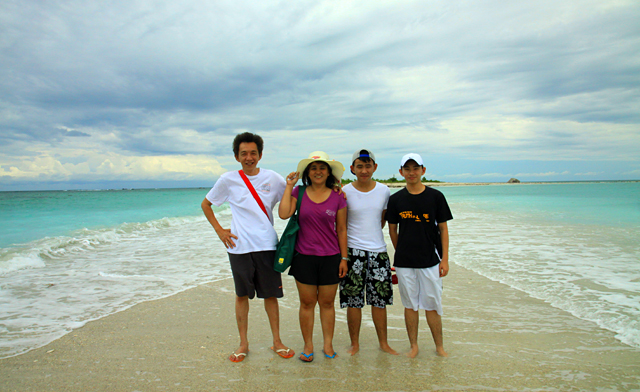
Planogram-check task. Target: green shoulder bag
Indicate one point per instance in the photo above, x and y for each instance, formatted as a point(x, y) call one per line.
point(287, 244)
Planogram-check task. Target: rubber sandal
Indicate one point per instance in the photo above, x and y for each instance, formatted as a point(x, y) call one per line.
point(285, 353)
point(309, 357)
point(237, 357)
point(330, 356)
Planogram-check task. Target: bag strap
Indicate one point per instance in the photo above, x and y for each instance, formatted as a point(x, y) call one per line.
point(301, 190)
point(253, 192)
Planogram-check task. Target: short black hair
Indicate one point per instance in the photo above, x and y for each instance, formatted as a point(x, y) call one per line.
point(331, 180)
point(247, 137)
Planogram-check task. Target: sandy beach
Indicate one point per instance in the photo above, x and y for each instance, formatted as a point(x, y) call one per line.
point(498, 339)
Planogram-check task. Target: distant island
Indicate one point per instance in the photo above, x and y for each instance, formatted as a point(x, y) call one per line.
point(393, 182)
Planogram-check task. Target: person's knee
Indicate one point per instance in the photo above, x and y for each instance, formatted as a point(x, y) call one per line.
point(325, 303)
point(433, 315)
point(410, 313)
point(243, 299)
point(378, 311)
point(308, 303)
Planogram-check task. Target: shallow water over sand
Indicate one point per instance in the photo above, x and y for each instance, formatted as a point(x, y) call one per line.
point(54, 284)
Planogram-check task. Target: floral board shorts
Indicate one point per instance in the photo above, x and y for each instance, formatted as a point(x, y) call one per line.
point(369, 272)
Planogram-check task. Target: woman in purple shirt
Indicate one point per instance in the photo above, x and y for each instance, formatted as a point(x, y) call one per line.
point(321, 247)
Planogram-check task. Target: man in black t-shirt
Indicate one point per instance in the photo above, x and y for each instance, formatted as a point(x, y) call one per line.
point(422, 249)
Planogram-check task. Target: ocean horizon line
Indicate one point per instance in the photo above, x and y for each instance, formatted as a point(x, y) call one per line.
point(388, 183)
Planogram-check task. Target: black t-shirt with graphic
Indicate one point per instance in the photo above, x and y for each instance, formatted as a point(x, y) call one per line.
point(419, 244)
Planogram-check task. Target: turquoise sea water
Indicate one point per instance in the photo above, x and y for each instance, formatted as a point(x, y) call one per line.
point(70, 257)
point(28, 216)
point(605, 203)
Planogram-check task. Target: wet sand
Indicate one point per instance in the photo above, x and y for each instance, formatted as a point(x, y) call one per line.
point(498, 338)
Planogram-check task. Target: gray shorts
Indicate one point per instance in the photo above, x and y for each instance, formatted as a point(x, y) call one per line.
point(253, 274)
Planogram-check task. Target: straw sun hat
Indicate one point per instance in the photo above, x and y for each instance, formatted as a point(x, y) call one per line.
point(336, 167)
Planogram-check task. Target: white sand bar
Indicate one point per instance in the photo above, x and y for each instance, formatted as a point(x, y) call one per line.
point(499, 339)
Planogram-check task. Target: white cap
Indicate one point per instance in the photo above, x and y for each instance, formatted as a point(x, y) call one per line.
point(411, 157)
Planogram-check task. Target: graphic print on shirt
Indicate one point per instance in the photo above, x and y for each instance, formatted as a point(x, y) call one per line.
point(265, 188)
point(331, 213)
point(409, 215)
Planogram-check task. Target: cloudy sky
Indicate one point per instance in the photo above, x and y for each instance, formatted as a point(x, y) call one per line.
point(151, 93)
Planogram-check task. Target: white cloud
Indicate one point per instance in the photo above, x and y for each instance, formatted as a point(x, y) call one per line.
point(108, 167)
point(590, 174)
point(479, 176)
point(106, 89)
point(635, 172)
point(494, 136)
point(547, 174)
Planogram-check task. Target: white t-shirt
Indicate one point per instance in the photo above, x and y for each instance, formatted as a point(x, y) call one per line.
point(255, 232)
point(364, 217)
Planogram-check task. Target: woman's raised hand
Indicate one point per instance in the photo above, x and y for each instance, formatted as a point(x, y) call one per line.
point(292, 178)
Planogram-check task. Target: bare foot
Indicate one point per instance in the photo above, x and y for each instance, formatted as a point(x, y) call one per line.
point(413, 352)
point(388, 350)
point(441, 353)
point(353, 349)
point(242, 349)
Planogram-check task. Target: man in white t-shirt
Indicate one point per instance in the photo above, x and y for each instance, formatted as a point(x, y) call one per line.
point(251, 241)
point(369, 273)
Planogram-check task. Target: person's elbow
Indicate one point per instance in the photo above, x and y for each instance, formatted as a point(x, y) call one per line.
point(284, 214)
point(341, 230)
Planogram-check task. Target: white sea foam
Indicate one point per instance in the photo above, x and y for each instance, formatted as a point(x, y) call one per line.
point(585, 270)
point(37, 254)
point(12, 260)
point(54, 285)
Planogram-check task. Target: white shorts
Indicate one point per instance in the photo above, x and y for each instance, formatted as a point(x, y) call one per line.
point(420, 288)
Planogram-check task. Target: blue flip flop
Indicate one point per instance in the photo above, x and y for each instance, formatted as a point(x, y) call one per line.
point(309, 357)
point(330, 356)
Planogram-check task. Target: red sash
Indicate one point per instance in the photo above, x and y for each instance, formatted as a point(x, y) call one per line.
point(253, 192)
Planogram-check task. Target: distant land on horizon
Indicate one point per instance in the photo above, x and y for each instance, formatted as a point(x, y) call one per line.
point(397, 184)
